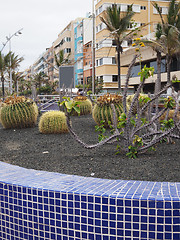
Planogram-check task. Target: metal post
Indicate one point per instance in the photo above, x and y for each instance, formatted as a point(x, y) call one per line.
point(149, 18)
point(93, 50)
point(10, 73)
point(8, 39)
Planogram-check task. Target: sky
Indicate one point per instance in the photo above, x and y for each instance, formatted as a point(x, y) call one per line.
point(41, 21)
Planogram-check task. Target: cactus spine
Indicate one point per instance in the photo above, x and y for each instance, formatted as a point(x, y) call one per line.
point(18, 112)
point(102, 110)
point(53, 122)
point(85, 105)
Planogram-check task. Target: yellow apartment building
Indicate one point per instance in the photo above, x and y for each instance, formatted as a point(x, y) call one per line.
point(106, 66)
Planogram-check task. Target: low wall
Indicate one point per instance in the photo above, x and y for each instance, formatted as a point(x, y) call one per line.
point(41, 205)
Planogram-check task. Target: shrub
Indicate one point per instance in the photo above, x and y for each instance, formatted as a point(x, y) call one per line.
point(102, 110)
point(18, 112)
point(85, 105)
point(53, 122)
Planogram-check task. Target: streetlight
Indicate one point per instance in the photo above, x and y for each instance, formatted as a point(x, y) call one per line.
point(8, 39)
point(93, 49)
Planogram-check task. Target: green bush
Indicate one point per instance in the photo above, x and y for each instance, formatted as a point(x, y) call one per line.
point(53, 122)
point(18, 112)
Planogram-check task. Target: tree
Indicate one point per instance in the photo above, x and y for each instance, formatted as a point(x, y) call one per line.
point(117, 24)
point(39, 79)
point(14, 61)
point(60, 59)
point(4, 60)
point(169, 32)
point(17, 78)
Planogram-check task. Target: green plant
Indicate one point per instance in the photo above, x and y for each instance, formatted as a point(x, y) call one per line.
point(102, 130)
point(18, 112)
point(70, 105)
point(53, 122)
point(102, 110)
point(135, 134)
point(84, 104)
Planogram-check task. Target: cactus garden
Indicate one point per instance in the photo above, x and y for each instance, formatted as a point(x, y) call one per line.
point(118, 121)
point(60, 153)
point(117, 137)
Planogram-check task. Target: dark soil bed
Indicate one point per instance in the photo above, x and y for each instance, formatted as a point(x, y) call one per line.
point(61, 153)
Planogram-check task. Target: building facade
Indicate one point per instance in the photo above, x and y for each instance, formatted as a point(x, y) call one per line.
point(106, 66)
point(65, 43)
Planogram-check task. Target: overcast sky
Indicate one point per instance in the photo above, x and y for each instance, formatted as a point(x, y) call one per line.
point(41, 20)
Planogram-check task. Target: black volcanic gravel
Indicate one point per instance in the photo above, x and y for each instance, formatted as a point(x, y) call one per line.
point(61, 153)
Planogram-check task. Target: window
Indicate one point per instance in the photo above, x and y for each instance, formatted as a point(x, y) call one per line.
point(100, 27)
point(136, 8)
point(68, 39)
point(100, 9)
point(113, 60)
point(101, 61)
point(114, 78)
point(129, 42)
point(143, 7)
point(129, 7)
point(96, 62)
point(67, 50)
point(114, 43)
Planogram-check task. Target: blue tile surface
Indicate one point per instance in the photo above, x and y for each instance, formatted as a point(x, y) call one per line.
point(43, 205)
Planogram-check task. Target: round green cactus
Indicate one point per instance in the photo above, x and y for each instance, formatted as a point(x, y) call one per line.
point(53, 122)
point(85, 105)
point(102, 110)
point(18, 112)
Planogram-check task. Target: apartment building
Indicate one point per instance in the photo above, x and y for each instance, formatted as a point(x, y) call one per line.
point(148, 58)
point(106, 66)
point(49, 63)
point(82, 49)
point(64, 42)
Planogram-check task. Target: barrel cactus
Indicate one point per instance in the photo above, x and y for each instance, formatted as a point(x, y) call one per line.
point(142, 100)
point(102, 110)
point(53, 122)
point(18, 112)
point(170, 115)
point(85, 105)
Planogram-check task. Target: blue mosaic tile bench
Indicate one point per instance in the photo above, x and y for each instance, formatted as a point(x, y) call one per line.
point(38, 205)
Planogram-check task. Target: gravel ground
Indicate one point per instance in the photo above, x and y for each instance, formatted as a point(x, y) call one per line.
point(61, 153)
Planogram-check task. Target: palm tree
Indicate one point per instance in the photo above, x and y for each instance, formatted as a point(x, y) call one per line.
point(17, 78)
point(39, 78)
point(13, 64)
point(15, 61)
point(60, 59)
point(117, 24)
point(4, 60)
point(169, 36)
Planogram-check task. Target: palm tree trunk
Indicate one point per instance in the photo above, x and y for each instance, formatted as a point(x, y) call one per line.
point(3, 91)
point(118, 49)
point(158, 80)
point(168, 63)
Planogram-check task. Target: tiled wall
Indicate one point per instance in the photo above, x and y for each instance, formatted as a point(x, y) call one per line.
point(40, 205)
